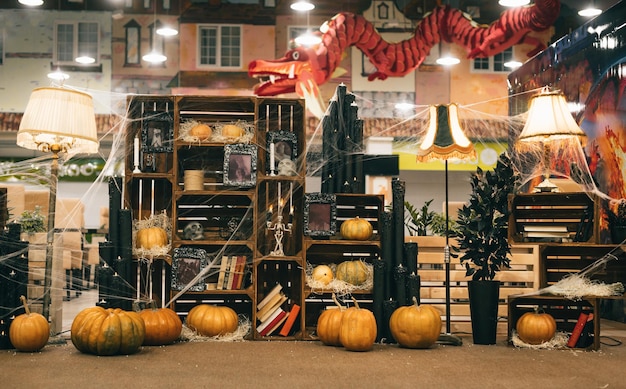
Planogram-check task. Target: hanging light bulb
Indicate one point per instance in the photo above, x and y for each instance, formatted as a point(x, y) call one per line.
point(448, 60)
point(590, 11)
point(85, 60)
point(31, 3)
point(166, 31)
point(58, 75)
point(513, 3)
point(308, 39)
point(302, 5)
point(154, 57)
point(512, 64)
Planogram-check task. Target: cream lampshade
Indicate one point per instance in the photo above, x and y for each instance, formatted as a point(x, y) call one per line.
point(57, 120)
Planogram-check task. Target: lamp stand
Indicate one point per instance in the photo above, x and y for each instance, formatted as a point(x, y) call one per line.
point(448, 338)
point(546, 185)
point(54, 170)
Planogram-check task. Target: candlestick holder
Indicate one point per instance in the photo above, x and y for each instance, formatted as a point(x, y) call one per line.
point(279, 229)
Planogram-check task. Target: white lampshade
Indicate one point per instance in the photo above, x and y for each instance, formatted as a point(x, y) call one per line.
point(61, 119)
point(549, 118)
point(445, 139)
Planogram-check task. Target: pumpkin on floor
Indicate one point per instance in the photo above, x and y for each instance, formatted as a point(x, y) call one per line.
point(163, 326)
point(110, 331)
point(535, 327)
point(415, 326)
point(356, 229)
point(29, 331)
point(212, 320)
point(352, 272)
point(358, 328)
point(329, 324)
point(322, 274)
point(148, 238)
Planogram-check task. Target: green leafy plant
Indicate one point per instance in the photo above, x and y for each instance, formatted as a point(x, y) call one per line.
point(438, 225)
point(32, 221)
point(483, 222)
point(418, 221)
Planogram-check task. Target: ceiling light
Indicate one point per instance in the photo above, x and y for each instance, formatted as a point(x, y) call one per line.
point(154, 57)
point(302, 5)
point(85, 60)
point(513, 3)
point(512, 64)
point(167, 31)
point(590, 11)
point(308, 39)
point(448, 60)
point(31, 3)
point(58, 75)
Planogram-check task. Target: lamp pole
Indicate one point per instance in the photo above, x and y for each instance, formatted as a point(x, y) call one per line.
point(54, 170)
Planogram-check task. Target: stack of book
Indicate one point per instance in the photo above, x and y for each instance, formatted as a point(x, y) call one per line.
point(271, 314)
point(232, 272)
point(546, 233)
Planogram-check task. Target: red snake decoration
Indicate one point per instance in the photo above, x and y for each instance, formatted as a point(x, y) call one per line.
point(315, 65)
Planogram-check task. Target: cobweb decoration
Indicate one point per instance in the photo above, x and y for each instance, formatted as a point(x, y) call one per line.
point(243, 329)
point(558, 341)
point(341, 288)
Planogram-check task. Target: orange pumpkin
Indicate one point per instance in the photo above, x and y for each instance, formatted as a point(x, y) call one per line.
point(535, 327)
point(151, 237)
point(358, 328)
point(352, 272)
point(212, 320)
point(323, 274)
point(329, 324)
point(415, 326)
point(356, 229)
point(232, 131)
point(30, 331)
point(201, 131)
point(163, 326)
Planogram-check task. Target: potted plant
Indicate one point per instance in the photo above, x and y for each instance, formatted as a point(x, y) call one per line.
point(483, 244)
point(616, 216)
point(32, 222)
point(418, 221)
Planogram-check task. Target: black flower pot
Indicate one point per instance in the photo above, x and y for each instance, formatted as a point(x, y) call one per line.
point(484, 296)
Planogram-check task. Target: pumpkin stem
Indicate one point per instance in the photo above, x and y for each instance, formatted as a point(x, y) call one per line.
point(341, 307)
point(25, 304)
point(415, 302)
point(355, 303)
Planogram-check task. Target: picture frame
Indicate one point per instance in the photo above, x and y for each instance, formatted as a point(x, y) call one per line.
point(285, 148)
point(157, 132)
point(320, 214)
point(240, 164)
point(187, 263)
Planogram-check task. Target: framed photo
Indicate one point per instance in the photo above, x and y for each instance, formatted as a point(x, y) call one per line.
point(320, 214)
point(285, 152)
point(157, 133)
point(240, 161)
point(187, 263)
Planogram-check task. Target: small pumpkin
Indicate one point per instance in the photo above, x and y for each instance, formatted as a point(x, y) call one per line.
point(329, 324)
point(232, 131)
point(415, 326)
point(148, 238)
point(212, 320)
point(352, 272)
point(109, 331)
point(201, 131)
point(322, 274)
point(29, 331)
point(163, 326)
point(358, 328)
point(357, 229)
point(535, 327)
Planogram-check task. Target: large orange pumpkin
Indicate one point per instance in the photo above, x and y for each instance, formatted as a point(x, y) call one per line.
point(358, 328)
point(29, 331)
point(212, 320)
point(535, 327)
point(356, 229)
point(151, 237)
point(352, 272)
point(329, 324)
point(110, 331)
point(415, 326)
point(163, 326)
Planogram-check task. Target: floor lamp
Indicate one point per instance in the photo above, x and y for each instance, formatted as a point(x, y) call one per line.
point(549, 120)
point(57, 120)
point(445, 140)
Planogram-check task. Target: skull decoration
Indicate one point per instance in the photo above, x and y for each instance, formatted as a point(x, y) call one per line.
point(193, 231)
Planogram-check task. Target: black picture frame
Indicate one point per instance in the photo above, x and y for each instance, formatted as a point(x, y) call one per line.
point(157, 133)
point(240, 164)
point(320, 214)
point(285, 147)
point(187, 263)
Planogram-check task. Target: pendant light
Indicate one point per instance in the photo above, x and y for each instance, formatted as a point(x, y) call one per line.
point(307, 39)
point(590, 11)
point(302, 5)
point(513, 3)
point(31, 3)
point(166, 30)
point(154, 56)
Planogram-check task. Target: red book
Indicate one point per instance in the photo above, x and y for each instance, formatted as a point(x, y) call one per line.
point(578, 329)
point(272, 323)
point(293, 314)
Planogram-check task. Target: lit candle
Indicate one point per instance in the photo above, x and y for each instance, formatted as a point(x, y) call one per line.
point(280, 208)
point(291, 214)
point(291, 197)
point(136, 152)
point(272, 158)
point(269, 214)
